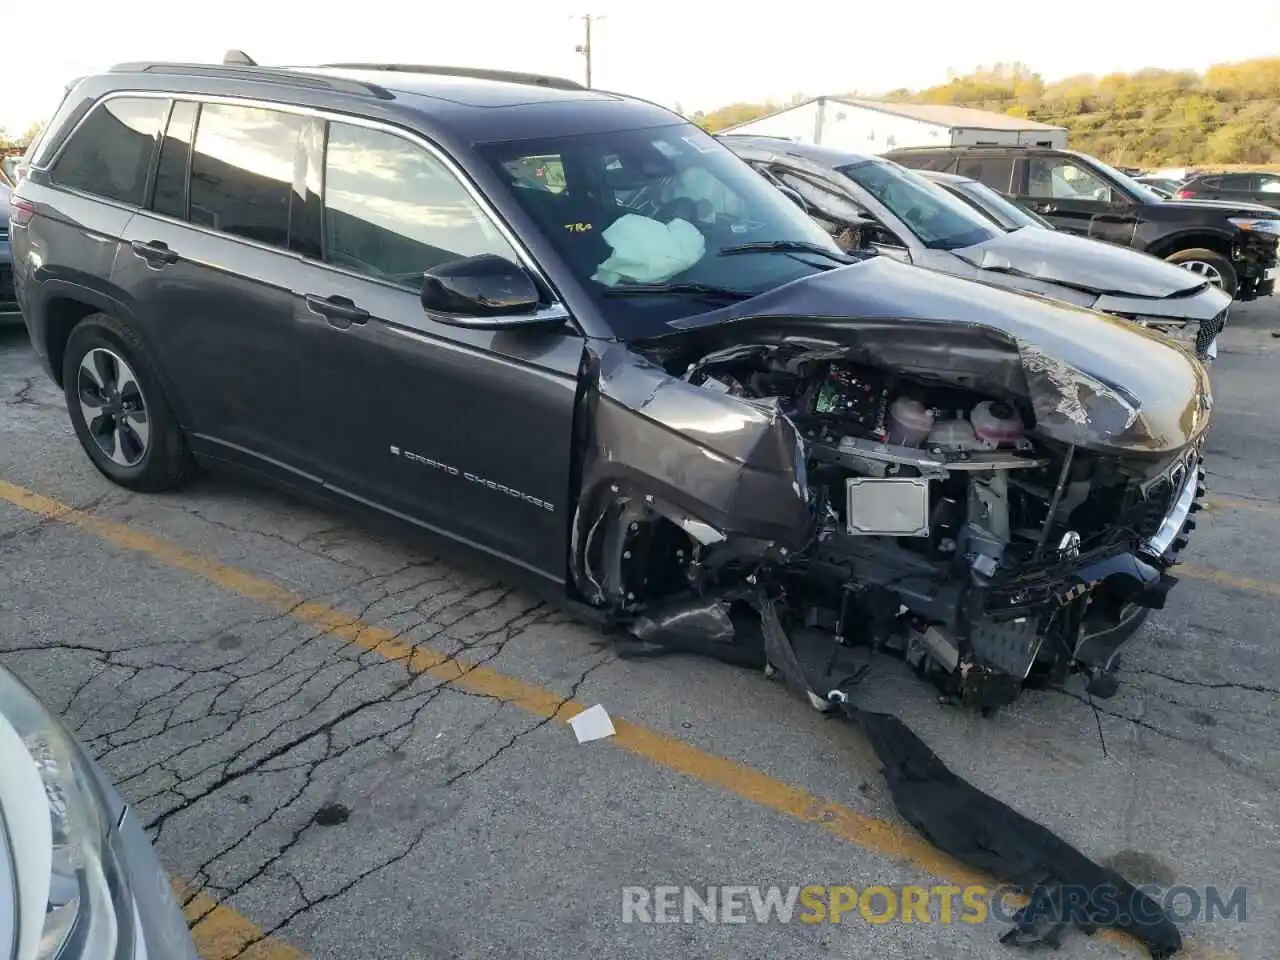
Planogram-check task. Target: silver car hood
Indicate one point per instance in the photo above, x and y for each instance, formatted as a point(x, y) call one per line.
point(1089, 265)
point(26, 847)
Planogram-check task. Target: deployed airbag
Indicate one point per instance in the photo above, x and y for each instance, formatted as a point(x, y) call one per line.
point(648, 251)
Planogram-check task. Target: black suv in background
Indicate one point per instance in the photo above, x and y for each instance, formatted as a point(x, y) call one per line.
point(1231, 244)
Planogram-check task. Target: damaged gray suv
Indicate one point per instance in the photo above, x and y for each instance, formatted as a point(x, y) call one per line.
point(574, 330)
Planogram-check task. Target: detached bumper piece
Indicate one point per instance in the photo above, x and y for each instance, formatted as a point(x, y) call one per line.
point(1065, 888)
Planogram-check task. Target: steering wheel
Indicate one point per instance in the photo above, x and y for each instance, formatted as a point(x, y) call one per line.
point(681, 208)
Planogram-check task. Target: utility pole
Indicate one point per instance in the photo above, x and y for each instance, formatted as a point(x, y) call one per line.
point(584, 48)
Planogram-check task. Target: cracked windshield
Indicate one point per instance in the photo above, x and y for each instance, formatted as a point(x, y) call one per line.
point(939, 220)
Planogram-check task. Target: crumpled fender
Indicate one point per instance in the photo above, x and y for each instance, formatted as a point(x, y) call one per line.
point(733, 464)
point(719, 467)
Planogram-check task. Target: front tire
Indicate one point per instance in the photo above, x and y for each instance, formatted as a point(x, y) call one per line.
point(120, 414)
point(1214, 267)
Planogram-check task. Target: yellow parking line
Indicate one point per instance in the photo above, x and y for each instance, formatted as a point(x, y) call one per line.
point(869, 833)
point(1217, 501)
point(222, 934)
point(1233, 580)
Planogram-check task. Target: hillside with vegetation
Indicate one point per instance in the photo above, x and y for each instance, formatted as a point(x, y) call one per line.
point(1228, 115)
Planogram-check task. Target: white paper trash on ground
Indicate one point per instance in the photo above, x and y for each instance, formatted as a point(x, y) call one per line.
point(592, 723)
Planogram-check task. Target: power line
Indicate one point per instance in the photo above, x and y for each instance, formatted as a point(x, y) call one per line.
point(584, 48)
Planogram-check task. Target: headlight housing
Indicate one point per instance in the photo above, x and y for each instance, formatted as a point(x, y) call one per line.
point(1079, 407)
point(89, 912)
point(1256, 225)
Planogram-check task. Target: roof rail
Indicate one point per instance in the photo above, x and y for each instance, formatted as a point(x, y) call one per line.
point(295, 78)
point(478, 73)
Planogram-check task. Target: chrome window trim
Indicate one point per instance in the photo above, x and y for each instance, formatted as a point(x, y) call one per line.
point(482, 202)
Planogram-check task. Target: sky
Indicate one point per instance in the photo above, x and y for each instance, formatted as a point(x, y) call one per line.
point(686, 54)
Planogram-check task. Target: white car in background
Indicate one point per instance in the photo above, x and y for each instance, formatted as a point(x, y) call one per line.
point(875, 204)
point(78, 877)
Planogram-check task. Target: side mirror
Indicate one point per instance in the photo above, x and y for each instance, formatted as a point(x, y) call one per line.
point(486, 292)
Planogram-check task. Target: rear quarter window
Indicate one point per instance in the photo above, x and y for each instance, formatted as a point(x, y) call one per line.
point(1239, 181)
point(109, 154)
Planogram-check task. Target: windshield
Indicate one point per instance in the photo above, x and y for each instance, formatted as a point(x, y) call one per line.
point(1140, 191)
point(1011, 215)
point(939, 220)
point(659, 206)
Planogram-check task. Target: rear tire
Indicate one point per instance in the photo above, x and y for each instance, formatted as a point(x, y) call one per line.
point(120, 414)
point(1214, 267)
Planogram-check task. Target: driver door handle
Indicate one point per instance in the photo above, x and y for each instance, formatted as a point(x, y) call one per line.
point(340, 312)
point(155, 252)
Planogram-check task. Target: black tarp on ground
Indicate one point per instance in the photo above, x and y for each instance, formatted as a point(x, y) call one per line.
point(1065, 887)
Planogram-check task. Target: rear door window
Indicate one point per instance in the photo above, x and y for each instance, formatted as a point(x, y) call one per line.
point(110, 154)
point(995, 172)
point(243, 170)
point(170, 196)
point(393, 211)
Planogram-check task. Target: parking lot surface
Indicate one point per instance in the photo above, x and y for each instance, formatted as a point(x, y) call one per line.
point(350, 742)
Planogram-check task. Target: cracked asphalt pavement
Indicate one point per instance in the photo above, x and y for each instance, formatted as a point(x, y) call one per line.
point(347, 740)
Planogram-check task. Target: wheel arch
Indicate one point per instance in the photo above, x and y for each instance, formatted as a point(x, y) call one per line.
point(62, 305)
point(1190, 240)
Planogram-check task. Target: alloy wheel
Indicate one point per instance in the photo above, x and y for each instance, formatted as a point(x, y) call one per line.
point(1206, 270)
point(114, 409)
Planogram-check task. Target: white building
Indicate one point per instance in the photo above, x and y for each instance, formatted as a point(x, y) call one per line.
point(872, 126)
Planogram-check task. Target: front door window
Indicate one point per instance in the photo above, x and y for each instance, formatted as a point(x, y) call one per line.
point(1057, 178)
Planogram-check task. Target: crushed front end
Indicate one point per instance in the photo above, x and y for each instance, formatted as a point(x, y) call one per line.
point(994, 528)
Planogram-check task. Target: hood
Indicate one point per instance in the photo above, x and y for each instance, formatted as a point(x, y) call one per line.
point(1093, 380)
point(1090, 265)
point(1244, 209)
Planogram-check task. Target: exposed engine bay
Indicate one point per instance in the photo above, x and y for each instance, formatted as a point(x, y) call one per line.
point(940, 527)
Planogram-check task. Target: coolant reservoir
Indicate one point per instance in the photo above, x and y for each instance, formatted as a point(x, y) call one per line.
point(996, 423)
point(952, 435)
point(909, 422)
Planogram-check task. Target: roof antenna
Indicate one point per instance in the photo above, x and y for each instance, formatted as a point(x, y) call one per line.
point(238, 58)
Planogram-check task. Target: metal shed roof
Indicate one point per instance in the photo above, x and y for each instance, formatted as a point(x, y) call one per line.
point(940, 114)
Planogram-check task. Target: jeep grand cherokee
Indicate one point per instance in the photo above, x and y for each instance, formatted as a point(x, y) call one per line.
point(574, 330)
